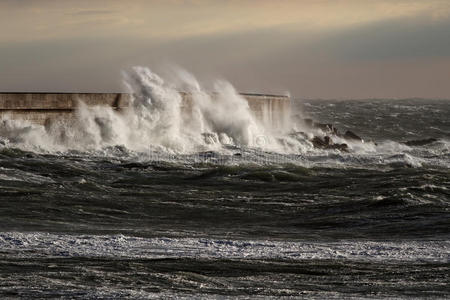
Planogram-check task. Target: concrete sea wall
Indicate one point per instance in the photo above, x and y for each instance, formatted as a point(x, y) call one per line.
point(41, 108)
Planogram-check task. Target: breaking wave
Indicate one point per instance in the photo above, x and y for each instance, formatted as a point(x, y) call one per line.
point(157, 119)
point(218, 122)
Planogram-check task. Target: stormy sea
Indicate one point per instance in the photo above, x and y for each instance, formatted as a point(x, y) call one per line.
point(154, 202)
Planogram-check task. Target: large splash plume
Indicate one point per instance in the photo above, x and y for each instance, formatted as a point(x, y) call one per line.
point(160, 118)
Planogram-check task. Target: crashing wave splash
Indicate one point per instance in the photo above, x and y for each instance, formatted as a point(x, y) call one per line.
point(157, 122)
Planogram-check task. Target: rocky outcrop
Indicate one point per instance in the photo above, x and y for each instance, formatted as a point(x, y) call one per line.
point(327, 143)
point(44, 108)
point(350, 135)
point(323, 136)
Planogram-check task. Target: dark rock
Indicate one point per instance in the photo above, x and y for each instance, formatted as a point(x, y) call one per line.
point(318, 142)
point(327, 143)
point(341, 147)
point(350, 135)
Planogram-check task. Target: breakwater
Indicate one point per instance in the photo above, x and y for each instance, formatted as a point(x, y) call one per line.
point(41, 108)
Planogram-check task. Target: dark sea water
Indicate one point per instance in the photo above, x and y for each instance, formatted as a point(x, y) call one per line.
point(320, 224)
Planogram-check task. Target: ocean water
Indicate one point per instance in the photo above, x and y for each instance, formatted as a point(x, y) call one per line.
point(142, 205)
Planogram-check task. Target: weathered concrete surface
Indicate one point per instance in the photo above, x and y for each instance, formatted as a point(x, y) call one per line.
point(41, 108)
point(60, 101)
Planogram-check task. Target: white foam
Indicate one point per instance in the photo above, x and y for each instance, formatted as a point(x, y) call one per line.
point(156, 120)
point(39, 244)
point(157, 126)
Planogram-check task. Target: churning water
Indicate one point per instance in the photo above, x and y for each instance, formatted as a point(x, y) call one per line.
point(160, 201)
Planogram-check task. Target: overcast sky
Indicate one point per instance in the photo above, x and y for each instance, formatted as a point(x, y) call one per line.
point(311, 49)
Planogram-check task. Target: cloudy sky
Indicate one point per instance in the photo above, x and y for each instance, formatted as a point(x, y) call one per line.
point(310, 48)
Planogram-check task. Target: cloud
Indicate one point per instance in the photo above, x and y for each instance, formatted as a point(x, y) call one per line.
point(397, 39)
point(92, 12)
point(176, 19)
point(402, 49)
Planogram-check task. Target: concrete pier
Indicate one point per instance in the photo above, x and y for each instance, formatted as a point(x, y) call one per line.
point(41, 108)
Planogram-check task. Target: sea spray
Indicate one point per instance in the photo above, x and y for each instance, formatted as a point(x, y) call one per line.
point(161, 117)
point(178, 118)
